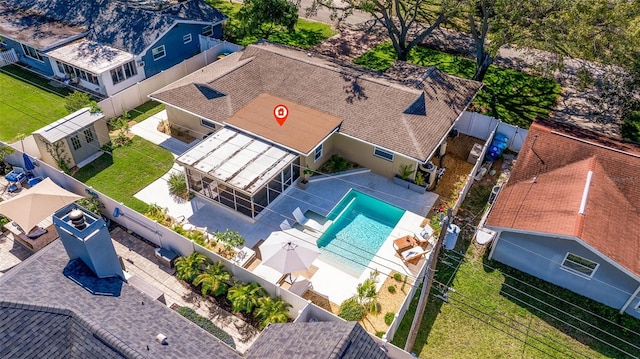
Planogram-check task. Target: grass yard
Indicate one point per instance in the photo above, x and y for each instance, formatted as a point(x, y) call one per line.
point(127, 171)
point(495, 310)
point(145, 111)
point(306, 35)
point(512, 96)
point(27, 103)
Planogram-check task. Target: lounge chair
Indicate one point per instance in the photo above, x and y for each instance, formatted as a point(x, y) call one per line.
point(413, 255)
point(285, 225)
point(306, 222)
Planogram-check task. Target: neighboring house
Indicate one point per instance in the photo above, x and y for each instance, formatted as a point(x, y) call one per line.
point(77, 138)
point(366, 117)
point(570, 214)
point(51, 307)
point(107, 46)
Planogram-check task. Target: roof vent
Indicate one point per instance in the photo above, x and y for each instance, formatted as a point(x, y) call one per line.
point(77, 219)
point(162, 339)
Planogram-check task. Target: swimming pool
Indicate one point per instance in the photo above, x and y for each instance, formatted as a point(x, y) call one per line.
point(361, 224)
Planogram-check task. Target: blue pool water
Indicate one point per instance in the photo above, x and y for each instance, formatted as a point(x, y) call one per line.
point(361, 224)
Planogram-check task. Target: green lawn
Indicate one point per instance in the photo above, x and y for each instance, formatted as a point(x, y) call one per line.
point(494, 311)
point(127, 171)
point(24, 106)
point(306, 35)
point(145, 111)
point(511, 96)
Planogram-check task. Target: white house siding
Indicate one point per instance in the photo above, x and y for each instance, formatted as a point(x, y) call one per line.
point(542, 257)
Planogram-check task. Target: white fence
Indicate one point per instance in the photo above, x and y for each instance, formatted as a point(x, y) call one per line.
point(8, 57)
point(407, 300)
point(482, 126)
point(136, 95)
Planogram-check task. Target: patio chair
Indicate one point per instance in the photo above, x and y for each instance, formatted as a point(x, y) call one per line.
point(413, 255)
point(425, 236)
point(16, 175)
point(285, 225)
point(306, 222)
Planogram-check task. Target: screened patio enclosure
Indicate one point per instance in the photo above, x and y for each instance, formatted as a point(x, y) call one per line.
point(241, 172)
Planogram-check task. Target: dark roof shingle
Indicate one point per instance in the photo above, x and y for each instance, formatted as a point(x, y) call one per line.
point(373, 107)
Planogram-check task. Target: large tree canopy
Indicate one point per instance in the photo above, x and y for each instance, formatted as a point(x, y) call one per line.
point(263, 17)
point(407, 22)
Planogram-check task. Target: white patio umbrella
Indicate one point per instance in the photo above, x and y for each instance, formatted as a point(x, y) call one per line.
point(289, 251)
point(36, 203)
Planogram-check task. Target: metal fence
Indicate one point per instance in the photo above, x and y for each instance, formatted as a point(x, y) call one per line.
point(8, 57)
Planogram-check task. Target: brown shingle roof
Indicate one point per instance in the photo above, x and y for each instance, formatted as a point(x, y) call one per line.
point(374, 108)
point(302, 131)
point(560, 163)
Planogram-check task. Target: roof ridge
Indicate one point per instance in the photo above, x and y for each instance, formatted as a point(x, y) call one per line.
point(592, 143)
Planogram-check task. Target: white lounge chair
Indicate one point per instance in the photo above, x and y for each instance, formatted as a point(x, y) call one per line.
point(425, 236)
point(414, 254)
point(285, 225)
point(306, 222)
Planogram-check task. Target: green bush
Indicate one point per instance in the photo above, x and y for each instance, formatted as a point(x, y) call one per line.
point(397, 276)
point(178, 185)
point(91, 204)
point(392, 289)
point(631, 126)
point(3, 220)
point(351, 310)
point(388, 318)
point(379, 334)
point(206, 324)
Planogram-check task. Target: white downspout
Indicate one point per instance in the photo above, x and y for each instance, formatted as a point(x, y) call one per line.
point(628, 303)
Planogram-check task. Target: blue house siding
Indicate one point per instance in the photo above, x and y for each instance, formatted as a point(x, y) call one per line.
point(542, 257)
point(42, 66)
point(176, 50)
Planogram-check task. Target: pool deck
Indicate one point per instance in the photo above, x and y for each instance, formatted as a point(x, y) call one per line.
point(321, 195)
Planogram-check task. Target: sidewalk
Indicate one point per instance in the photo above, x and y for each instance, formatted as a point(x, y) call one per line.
point(148, 129)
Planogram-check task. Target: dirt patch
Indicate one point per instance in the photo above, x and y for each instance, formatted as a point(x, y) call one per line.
point(389, 302)
point(182, 135)
point(321, 301)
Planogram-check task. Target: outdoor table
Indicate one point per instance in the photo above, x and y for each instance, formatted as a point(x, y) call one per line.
point(403, 243)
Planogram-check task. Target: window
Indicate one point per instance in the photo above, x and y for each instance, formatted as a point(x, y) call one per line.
point(207, 123)
point(31, 52)
point(317, 153)
point(123, 72)
point(88, 135)
point(186, 38)
point(379, 152)
point(158, 53)
point(76, 72)
point(75, 142)
point(207, 30)
point(579, 265)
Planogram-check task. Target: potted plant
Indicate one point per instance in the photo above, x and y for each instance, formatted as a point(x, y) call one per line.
point(304, 181)
point(418, 185)
point(402, 177)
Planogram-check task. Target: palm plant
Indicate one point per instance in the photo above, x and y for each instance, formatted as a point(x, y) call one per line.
point(366, 294)
point(178, 186)
point(188, 268)
point(271, 310)
point(244, 298)
point(213, 280)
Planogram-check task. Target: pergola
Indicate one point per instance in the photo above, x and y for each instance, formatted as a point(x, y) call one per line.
point(239, 171)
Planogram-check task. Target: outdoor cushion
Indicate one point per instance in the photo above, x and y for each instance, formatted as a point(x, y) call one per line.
point(36, 232)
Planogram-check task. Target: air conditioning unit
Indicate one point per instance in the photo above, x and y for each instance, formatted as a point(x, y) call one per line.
point(140, 63)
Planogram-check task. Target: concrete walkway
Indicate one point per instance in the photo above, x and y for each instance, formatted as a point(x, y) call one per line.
point(140, 261)
point(148, 129)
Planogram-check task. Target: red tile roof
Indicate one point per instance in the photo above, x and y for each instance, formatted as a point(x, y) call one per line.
point(545, 191)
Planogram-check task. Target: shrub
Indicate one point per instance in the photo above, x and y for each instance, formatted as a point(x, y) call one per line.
point(206, 324)
point(380, 334)
point(392, 289)
point(76, 100)
point(388, 318)
point(351, 310)
point(91, 204)
point(178, 185)
point(271, 310)
point(3, 220)
point(158, 214)
point(230, 239)
point(397, 276)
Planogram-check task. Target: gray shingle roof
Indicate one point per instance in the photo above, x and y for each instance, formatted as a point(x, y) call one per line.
point(69, 124)
point(374, 107)
point(120, 24)
point(343, 340)
point(128, 320)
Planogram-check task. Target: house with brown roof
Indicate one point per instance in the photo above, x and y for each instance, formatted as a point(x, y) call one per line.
point(570, 214)
point(248, 158)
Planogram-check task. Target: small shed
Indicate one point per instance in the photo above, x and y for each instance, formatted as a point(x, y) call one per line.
point(75, 139)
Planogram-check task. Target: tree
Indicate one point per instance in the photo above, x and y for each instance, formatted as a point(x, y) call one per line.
point(188, 268)
point(271, 310)
point(366, 294)
point(263, 17)
point(213, 280)
point(244, 298)
point(407, 22)
point(77, 100)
